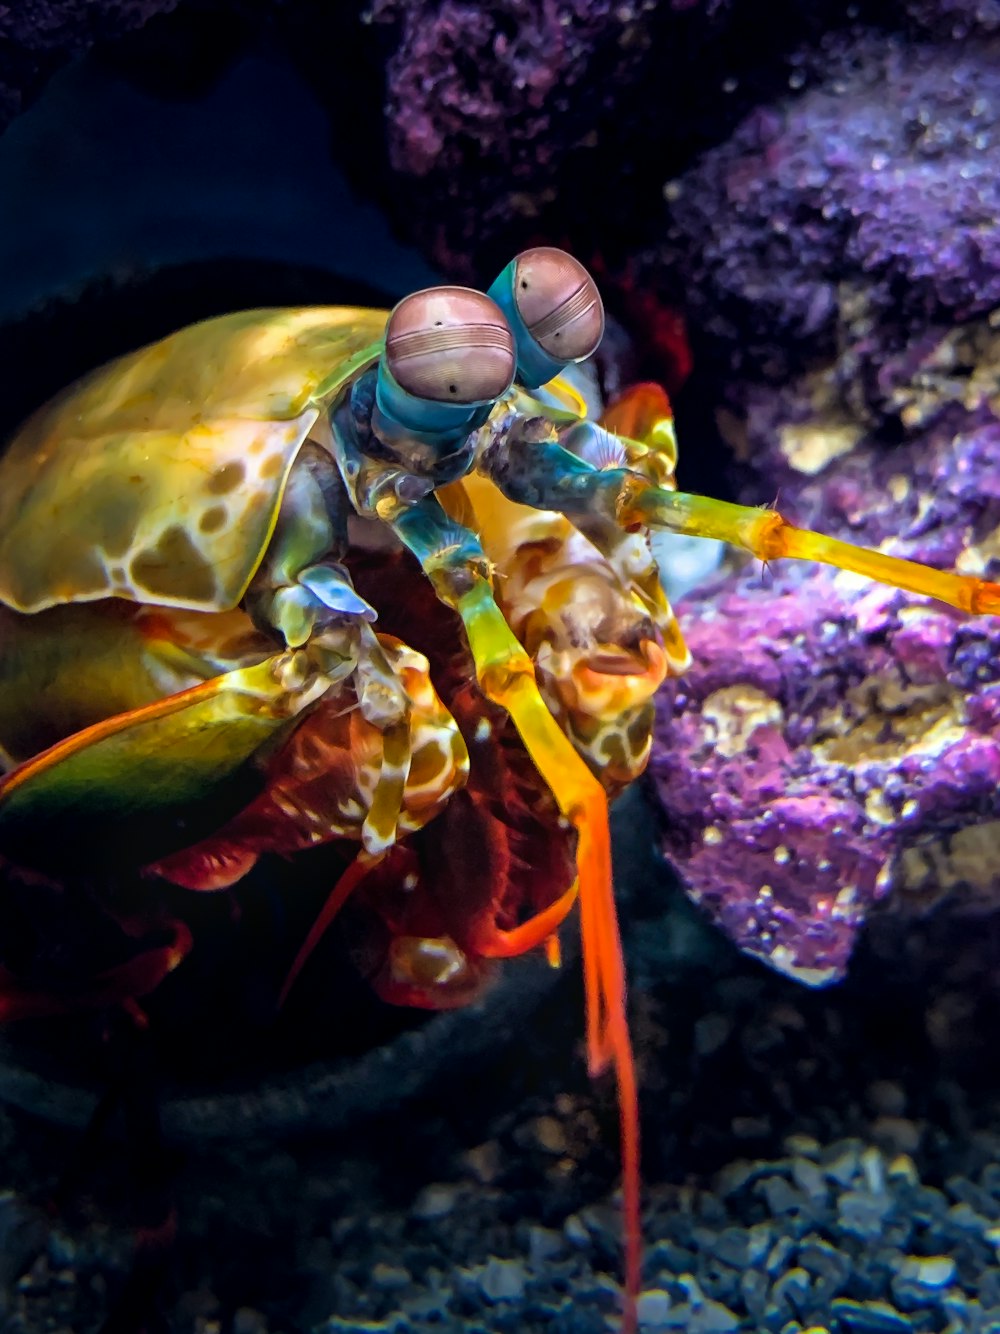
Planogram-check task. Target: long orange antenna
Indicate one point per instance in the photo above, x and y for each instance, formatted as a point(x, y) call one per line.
point(338, 896)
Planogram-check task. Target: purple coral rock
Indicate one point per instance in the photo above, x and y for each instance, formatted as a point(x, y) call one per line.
point(472, 83)
point(36, 36)
point(67, 25)
point(522, 54)
point(851, 487)
point(476, 91)
point(862, 209)
point(847, 744)
point(955, 18)
point(550, 120)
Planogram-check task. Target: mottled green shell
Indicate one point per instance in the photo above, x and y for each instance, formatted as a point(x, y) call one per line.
point(158, 478)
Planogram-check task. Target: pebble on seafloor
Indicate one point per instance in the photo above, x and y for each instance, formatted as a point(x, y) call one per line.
point(841, 1237)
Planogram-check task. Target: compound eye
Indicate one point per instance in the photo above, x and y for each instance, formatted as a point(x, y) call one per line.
point(559, 303)
point(450, 345)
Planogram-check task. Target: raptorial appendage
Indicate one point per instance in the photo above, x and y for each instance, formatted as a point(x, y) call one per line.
point(320, 576)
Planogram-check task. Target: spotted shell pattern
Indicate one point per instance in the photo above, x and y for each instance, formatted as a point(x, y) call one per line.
point(122, 488)
point(322, 783)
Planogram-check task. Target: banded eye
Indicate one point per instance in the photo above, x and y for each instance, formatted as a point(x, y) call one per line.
point(450, 345)
point(559, 303)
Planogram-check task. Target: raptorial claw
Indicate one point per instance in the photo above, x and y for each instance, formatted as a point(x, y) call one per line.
point(328, 584)
point(192, 681)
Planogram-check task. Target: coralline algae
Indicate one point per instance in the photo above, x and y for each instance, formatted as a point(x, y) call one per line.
point(837, 740)
point(835, 756)
point(862, 210)
point(37, 36)
point(528, 60)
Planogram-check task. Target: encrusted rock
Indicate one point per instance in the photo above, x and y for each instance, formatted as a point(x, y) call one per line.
point(37, 36)
point(859, 210)
point(836, 741)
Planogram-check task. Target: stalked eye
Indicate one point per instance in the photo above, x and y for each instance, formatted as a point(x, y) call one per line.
point(559, 303)
point(450, 345)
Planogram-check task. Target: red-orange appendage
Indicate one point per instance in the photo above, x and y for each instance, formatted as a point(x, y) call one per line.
point(608, 1038)
point(338, 896)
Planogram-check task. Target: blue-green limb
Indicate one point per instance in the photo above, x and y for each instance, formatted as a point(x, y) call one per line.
point(543, 474)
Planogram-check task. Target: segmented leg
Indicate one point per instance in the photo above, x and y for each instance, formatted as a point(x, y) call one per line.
point(453, 560)
point(543, 474)
point(769, 536)
point(636, 432)
point(326, 783)
point(383, 701)
point(338, 896)
point(584, 621)
point(302, 591)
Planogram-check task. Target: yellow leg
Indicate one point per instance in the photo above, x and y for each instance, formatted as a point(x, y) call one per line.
point(506, 676)
point(382, 821)
point(769, 536)
point(453, 559)
point(384, 703)
point(547, 476)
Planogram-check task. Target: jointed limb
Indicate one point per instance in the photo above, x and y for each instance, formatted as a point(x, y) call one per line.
point(769, 536)
point(302, 592)
point(454, 561)
point(549, 477)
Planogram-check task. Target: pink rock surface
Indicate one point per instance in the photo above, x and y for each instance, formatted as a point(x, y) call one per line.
point(835, 741)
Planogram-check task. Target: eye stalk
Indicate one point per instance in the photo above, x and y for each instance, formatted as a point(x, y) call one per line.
point(449, 353)
point(554, 309)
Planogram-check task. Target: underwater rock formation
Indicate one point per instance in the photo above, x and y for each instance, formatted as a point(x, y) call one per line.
point(955, 18)
point(861, 212)
point(37, 36)
point(839, 266)
point(849, 744)
point(515, 121)
point(485, 101)
point(529, 59)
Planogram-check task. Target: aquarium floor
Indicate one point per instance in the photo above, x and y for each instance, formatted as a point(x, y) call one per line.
point(813, 1161)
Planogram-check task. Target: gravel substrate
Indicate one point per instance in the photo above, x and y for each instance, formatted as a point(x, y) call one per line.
point(813, 1162)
